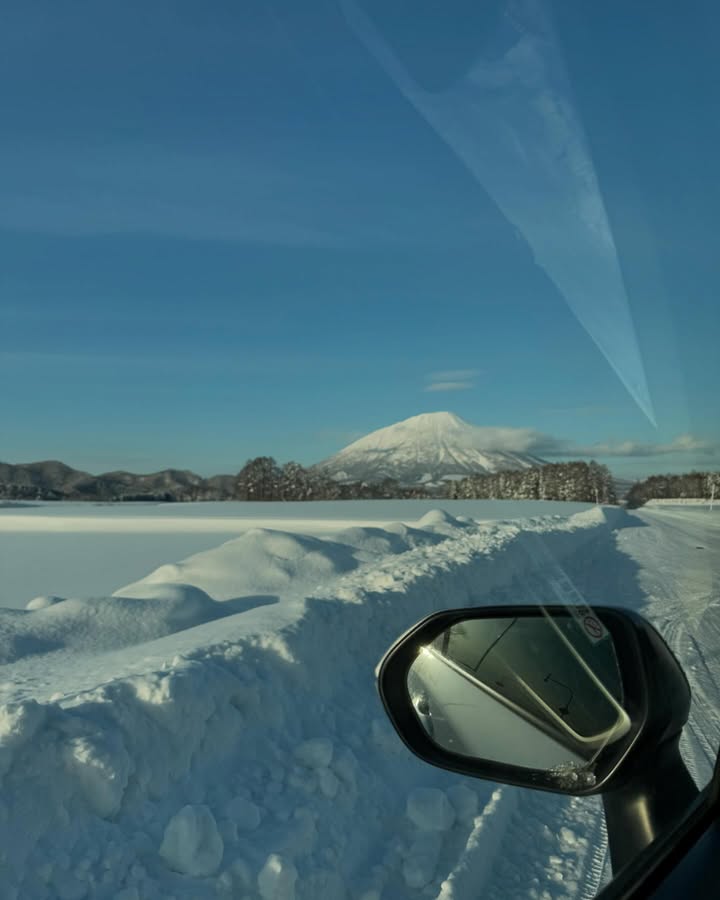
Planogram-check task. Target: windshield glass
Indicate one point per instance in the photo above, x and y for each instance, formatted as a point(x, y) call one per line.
point(316, 318)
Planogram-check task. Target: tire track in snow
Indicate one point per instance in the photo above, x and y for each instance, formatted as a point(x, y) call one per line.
point(684, 605)
point(709, 674)
point(553, 846)
point(599, 869)
point(700, 737)
point(692, 750)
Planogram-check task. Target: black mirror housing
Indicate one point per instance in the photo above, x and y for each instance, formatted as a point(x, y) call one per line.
point(655, 699)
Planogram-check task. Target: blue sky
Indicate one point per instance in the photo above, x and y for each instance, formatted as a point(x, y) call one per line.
point(232, 229)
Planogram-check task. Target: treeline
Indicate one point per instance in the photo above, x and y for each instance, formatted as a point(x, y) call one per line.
point(691, 485)
point(260, 479)
point(578, 481)
point(263, 479)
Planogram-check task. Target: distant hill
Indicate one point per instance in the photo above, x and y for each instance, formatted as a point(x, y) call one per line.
point(53, 480)
point(428, 449)
point(48, 480)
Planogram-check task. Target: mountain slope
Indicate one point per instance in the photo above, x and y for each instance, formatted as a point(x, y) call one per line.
point(52, 480)
point(425, 449)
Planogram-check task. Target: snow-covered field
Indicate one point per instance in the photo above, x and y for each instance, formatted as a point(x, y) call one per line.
point(212, 728)
point(82, 549)
point(681, 501)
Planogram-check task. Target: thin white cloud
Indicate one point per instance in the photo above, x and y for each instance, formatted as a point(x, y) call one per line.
point(449, 386)
point(451, 380)
point(514, 440)
point(683, 443)
point(546, 446)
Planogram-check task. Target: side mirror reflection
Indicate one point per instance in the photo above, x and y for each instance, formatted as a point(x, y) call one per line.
point(558, 698)
point(538, 692)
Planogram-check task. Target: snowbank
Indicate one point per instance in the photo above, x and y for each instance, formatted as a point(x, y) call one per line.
point(216, 732)
point(679, 501)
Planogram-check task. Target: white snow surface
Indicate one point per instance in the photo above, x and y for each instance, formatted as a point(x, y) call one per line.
point(88, 549)
point(428, 449)
point(213, 729)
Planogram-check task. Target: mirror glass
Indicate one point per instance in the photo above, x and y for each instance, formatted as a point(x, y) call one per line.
point(535, 691)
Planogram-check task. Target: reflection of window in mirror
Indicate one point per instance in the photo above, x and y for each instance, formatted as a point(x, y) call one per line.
point(600, 656)
point(542, 667)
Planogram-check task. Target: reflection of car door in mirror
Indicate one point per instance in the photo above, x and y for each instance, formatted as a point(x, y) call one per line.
point(523, 680)
point(544, 670)
point(460, 715)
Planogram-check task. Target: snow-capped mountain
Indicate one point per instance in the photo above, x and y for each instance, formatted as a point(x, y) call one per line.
point(425, 449)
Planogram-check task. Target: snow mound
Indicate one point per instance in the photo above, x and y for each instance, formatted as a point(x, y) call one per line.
point(430, 810)
point(192, 843)
point(392, 539)
point(43, 602)
point(441, 522)
point(104, 623)
point(261, 561)
point(248, 755)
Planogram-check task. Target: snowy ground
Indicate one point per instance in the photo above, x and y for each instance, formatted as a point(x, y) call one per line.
point(84, 549)
point(212, 729)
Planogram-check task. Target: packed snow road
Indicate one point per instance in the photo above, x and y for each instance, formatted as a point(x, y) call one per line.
point(668, 569)
point(678, 555)
point(664, 563)
point(213, 730)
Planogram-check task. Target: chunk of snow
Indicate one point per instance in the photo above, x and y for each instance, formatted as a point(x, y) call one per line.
point(421, 862)
point(276, 880)
point(19, 722)
point(192, 843)
point(329, 783)
point(464, 801)
point(316, 753)
point(430, 810)
point(302, 778)
point(235, 880)
point(102, 767)
point(243, 813)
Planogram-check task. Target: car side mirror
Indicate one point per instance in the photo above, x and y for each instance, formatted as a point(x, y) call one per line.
point(566, 699)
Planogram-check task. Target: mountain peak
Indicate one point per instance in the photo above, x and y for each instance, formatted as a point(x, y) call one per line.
point(424, 449)
point(442, 417)
point(434, 420)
